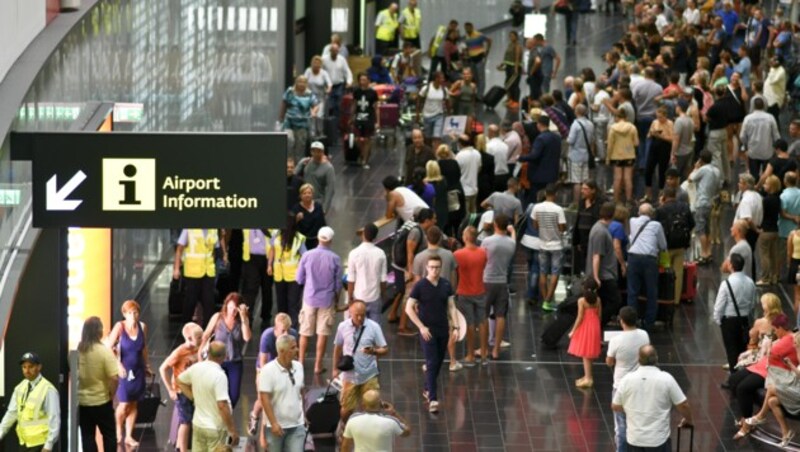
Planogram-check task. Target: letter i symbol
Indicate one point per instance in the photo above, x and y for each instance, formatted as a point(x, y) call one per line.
point(129, 186)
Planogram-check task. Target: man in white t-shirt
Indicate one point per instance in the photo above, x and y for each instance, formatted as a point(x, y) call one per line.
point(549, 219)
point(207, 385)
point(469, 161)
point(280, 386)
point(366, 273)
point(500, 151)
point(751, 211)
point(647, 396)
point(376, 427)
point(623, 356)
point(432, 103)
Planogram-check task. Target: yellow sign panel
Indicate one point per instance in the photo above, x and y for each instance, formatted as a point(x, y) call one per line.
point(89, 280)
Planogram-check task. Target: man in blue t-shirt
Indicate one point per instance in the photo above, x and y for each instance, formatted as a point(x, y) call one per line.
point(432, 308)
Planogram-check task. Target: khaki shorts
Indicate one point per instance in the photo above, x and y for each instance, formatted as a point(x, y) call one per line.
point(319, 320)
point(352, 393)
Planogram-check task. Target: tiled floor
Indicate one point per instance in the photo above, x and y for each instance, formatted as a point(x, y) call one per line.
point(527, 400)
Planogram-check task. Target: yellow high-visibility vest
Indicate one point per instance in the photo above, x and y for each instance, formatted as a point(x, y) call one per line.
point(284, 268)
point(441, 32)
point(246, 243)
point(198, 256)
point(388, 26)
point(32, 425)
point(411, 23)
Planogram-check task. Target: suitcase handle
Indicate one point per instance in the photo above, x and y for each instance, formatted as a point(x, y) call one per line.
point(689, 427)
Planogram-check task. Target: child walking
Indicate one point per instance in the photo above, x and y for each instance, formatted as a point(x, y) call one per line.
point(585, 335)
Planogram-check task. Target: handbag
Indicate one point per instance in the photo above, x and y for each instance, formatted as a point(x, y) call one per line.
point(745, 326)
point(453, 204)
point(346, 362)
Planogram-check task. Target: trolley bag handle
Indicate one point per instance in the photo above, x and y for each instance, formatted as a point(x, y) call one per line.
point(691, 437)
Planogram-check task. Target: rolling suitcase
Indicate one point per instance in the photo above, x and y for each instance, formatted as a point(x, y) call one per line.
point(322, 410)
point(388, 115)
point(175, 299)
point(148, 406)
point(557, 329)
point(351, 153)
point(691, 437)
point(493, 97)
point(689, 291)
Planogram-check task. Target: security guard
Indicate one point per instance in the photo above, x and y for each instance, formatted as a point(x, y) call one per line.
point(199, 269)
point(35, 408)
point(386, 24)
point(255, 249)
point(411, 23)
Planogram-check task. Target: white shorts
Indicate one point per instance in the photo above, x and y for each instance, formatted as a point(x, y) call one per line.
point(578, 172)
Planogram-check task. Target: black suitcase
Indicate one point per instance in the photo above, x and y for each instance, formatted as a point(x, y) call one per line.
point(666, 285)
point(148, 406)
point(322, 410)
point(175, 299)
point(493, 96)
point(557, 329)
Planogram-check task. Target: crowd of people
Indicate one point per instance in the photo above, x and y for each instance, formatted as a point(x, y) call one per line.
point(617, 178)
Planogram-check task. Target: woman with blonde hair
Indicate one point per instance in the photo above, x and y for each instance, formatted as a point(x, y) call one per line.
point(433, 176)
point(129, 339)
point(298, 107)
point(793, 264)
point(320, 83)
point(456, 203)
point(97, 382)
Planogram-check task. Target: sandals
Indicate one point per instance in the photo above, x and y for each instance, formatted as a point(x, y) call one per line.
point(755, 420)
point(787, 439)
point(741, 434)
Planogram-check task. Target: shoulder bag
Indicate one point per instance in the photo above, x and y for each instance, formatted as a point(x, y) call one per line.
point(346, 362)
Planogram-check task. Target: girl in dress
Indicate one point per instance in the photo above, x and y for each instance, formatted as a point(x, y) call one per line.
point(585, 335)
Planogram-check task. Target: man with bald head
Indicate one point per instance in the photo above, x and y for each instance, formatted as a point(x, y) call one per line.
point(741, 247)
point(417, 154)
point(207, 385)
point(647, 396)
point(374, 428)
point(646, 241)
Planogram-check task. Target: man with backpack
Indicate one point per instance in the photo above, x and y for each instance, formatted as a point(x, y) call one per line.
point(678, 222)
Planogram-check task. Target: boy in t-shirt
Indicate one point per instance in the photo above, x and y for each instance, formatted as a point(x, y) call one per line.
point(178, 361)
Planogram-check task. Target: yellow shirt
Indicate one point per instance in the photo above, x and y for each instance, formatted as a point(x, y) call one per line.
point(95, 367)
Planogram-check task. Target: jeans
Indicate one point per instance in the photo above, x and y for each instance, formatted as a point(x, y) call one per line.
point(643, 127)
point(756, 166)
point(93, 417)
point(233, 370)
point(202, 290)
point(293, 440)
point(643, 271)
point(620, 428)
point(533, 275)
point(374, 310)
point(335, 99)
point(434, 351)
point(478, 66)
point(666, 447)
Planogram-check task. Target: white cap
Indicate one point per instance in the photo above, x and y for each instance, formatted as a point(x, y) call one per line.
point(318, 145)
point(325, 234)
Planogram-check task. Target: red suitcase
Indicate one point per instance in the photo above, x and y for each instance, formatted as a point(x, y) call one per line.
point(389, 115)
point(689, 291)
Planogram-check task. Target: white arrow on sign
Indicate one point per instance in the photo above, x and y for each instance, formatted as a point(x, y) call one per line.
point(57, 199)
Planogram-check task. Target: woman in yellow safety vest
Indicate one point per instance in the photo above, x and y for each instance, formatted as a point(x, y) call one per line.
point(386, 24)
point(283, 262)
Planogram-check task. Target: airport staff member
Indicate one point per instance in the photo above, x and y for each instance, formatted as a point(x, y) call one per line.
point(386, 24)
point(411, 23)
point(34, 407)
point(199, 269)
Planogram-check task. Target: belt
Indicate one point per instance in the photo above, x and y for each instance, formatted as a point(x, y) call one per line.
point(643, 255)
point(726, 317)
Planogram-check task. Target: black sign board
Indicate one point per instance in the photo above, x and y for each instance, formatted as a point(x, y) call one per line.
point(156, 180)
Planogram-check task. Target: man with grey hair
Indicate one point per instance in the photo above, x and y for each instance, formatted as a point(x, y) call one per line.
point(647, 396)
point(759, 132)
point(280, 386)
point(740, 247)
point(647, 240)
point(751, 211)
point(207, 385)
point(581, 149)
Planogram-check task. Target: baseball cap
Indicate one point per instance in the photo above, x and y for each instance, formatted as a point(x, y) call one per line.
point(325, 234)
point(30, 357)
point(318, 145)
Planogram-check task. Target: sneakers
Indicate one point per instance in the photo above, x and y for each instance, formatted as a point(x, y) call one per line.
point(433, 407)
point(548, 306)
point(455, 367)
point(505, 344)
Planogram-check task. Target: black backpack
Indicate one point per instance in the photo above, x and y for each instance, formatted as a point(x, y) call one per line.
point(677, 230)
point(399, 256)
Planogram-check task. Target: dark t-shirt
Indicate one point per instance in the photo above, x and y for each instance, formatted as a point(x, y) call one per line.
point(782, 166)
point(432, 303)
point(268, 343)
point(365, 100)
point(717, 116)
point(772, 211)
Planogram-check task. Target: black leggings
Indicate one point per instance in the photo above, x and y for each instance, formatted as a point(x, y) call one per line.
point(744, 385)
point(660, 151)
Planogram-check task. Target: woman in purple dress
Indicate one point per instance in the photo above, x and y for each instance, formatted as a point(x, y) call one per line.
point(128, 339)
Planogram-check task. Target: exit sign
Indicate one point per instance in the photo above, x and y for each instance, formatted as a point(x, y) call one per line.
point(10, 196)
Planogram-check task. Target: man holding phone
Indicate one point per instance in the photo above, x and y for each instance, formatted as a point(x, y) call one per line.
point(363, 339)
point(374, 428)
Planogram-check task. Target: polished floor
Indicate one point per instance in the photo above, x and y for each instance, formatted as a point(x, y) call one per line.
point(525, 401)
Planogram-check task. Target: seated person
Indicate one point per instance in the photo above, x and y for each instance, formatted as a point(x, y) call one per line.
point(377, 73)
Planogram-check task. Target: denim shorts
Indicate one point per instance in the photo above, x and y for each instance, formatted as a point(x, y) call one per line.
point(185, 409)
point(432, 127)
point(550, 262)
point(701, 216)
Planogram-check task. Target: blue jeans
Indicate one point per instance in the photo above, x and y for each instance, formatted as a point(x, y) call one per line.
point(293, 440)
point(434, 351)
point(335, 99)
point(620, 428)
point(643, 127)
point(234, 370)
point(533, 275)
point(643, 271)
point(666, 447)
